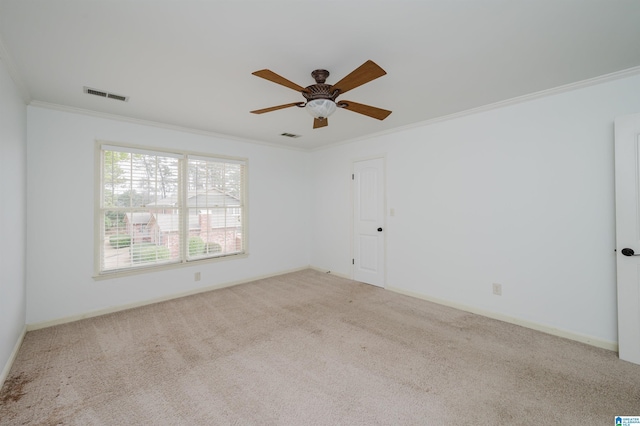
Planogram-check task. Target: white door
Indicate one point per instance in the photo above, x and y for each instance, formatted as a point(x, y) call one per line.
point(368, 221)
point(627, 163)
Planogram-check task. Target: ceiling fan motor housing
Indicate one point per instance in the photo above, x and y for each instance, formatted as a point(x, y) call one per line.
point(320, 91)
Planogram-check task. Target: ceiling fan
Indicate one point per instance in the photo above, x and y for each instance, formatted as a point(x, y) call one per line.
point(321, 98)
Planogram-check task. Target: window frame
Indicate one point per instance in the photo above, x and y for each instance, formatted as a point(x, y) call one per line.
point(183, 165)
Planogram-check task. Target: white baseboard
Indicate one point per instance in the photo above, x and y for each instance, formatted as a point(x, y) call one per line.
point(12, 357)
point(326, 271)
point(612, 346)
point(112, 309)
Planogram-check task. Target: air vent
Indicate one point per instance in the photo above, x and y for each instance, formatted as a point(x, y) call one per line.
point(104, 94)
point(289, 135)
point(117, 97)
point(95, 92)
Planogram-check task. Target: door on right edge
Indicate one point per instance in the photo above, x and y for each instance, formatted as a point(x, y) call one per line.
point(627, 164)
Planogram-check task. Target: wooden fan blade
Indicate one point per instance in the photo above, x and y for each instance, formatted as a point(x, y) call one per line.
point(361, 75)
point(274, 108)
point(368, 110)
point(317, 123)
point(272, 76)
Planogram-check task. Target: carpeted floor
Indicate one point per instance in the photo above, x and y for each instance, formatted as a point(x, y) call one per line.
point(309, 348)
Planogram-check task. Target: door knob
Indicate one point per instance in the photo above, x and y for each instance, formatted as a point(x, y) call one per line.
point(628, 252)
point(379, 229)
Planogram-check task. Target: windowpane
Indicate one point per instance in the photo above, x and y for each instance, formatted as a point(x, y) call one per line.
point(147, 219)
point(215, 198)
point(115, 168)
point(215, 232)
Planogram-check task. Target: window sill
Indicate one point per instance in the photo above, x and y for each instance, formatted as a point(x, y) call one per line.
point(165, 267)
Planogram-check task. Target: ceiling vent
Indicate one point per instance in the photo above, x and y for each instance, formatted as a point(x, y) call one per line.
point(104, 94)
point(289, 135)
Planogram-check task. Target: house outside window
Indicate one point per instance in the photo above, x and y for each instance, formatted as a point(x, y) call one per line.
point(160, 208)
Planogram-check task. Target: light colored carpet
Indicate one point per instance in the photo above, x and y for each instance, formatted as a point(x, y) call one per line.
point(309, 348)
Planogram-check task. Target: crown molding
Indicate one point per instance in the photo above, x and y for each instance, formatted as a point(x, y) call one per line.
point(496, 105)
point(108, 116)
point(629, 72)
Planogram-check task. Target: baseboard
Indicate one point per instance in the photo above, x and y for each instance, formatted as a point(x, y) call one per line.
point(326, 271)
point(112, 309)
point(12, 358)
point(612, 346)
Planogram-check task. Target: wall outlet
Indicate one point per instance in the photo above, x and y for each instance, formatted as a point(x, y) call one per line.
point(497, 289)
point(196, 276)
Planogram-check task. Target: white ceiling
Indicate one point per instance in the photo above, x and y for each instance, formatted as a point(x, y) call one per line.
point(188, 63)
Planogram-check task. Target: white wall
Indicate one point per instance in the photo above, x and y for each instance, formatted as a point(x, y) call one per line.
point(60, 153)
point(522, 196)
point(13, 178)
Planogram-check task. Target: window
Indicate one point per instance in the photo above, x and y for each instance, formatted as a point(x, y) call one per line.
point(160, 208)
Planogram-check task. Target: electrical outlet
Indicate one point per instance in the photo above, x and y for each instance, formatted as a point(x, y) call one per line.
point(196, 276)
point(497, 289)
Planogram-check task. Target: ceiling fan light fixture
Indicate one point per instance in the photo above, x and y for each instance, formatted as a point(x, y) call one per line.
point(320, 108)
point(321, 97)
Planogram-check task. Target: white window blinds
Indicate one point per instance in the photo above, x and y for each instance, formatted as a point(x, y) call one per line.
point(215, 197)
point(159, 208)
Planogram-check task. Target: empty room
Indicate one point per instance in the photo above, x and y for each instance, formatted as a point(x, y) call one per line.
point(319, 212)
